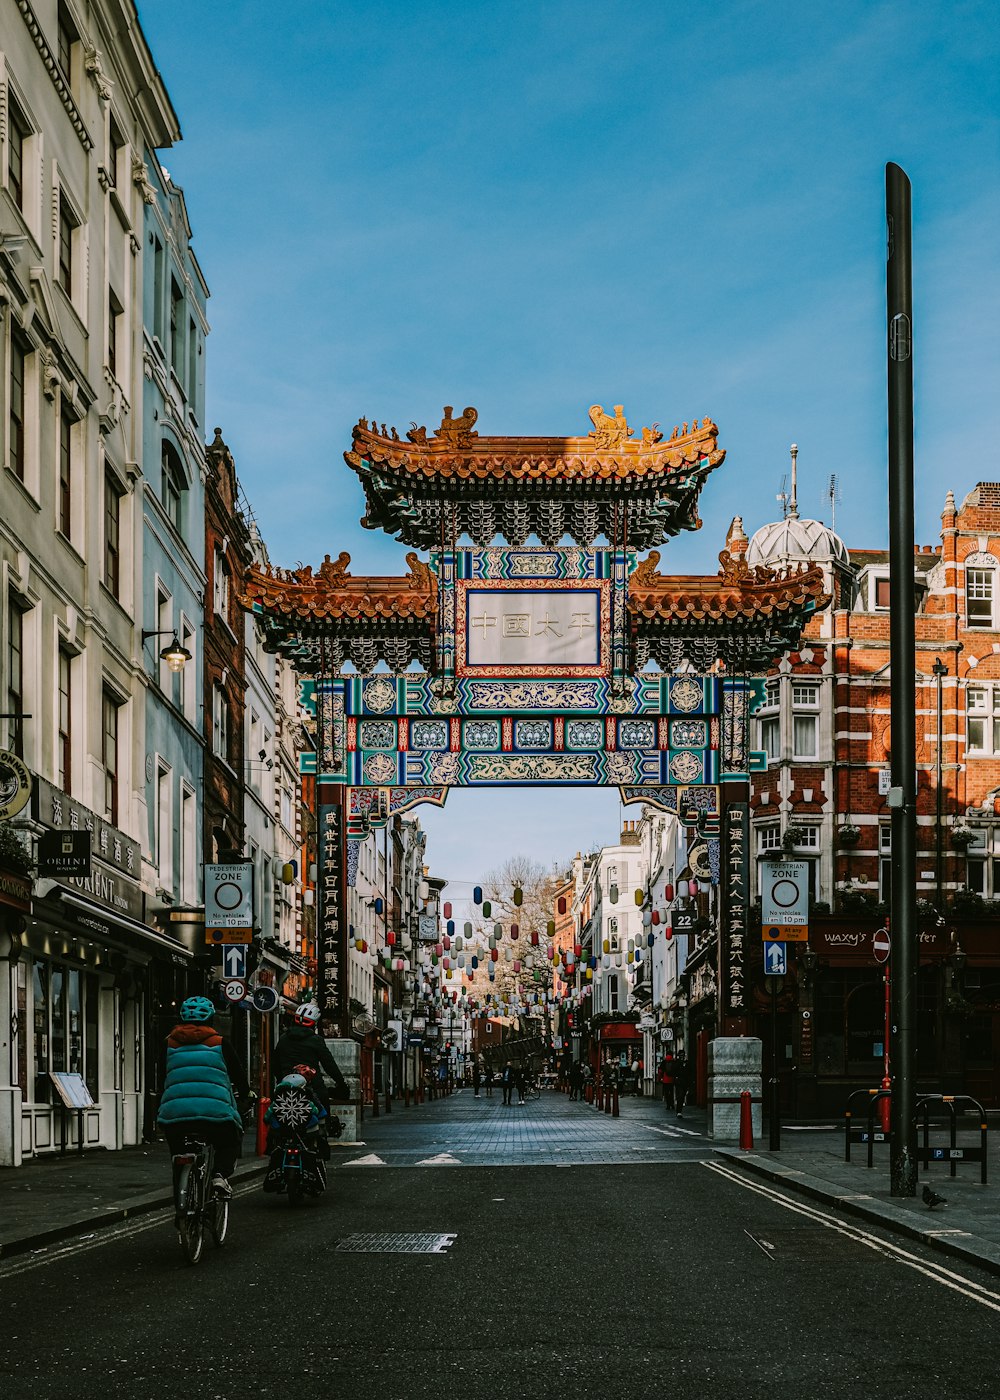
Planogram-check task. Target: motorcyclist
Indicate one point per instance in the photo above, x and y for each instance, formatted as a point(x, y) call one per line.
point(300, 1045)
point(204, 1087)
point(294, 1107)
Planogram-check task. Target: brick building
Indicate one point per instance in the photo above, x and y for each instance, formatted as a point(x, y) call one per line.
point(825, 724)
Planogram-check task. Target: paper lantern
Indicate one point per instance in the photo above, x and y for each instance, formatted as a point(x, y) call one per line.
point(446, 942)
point(561, 904)
point(550, 928)
point(515, 931)
point(439, 948)
point(487, 908)
point(577, 949)
point(494, 954)
point(640, 898)
point(447, 908)
point(475, 962)
point(647, 918)
point(518, 896)
point(668, 893)
point(613, 894)
point(458, 945)
point(534, 940)
point(423, 890)
point(451, 927)
point(606, 946)
point(668, 933)
point(682, 889)
point(589, 975)
point(390, 937)
point(654, 917)
point(477, 895)
point(517, 965)
point(650, 940)
point(467, 929)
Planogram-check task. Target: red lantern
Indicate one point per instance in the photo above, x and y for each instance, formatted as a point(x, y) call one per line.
point(494, 954)
point(447, 942)
point(668, 893)
point(668, 933)
point(439, 948)
point(447, 909)
point(534, 940)
point(515, 930)
point(390, 938)
point(656, 916)
point(577, 949)
point(561, 904)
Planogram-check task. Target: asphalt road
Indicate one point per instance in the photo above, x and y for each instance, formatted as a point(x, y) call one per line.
point(680, 1278)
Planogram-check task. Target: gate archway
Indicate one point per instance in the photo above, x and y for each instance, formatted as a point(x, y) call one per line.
point(514, 663)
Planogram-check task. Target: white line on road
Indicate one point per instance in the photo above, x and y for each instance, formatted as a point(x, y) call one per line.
point(936, 1272)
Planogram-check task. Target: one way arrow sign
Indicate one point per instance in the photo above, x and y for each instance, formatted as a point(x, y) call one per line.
point(234, 961)
point(776, 959)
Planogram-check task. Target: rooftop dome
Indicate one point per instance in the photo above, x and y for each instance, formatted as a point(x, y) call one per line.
point(795, 539)
point(792, 540)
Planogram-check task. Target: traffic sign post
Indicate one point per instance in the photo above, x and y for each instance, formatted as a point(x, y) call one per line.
point(235, 989)
point(784, 889)
point(882, 947)
point(234, 961)
point(785, 933)
point(776, 959)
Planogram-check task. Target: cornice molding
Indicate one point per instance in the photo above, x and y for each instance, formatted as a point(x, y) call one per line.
point(53, 70)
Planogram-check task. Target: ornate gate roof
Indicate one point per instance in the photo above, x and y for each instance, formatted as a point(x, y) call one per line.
point(635, 490)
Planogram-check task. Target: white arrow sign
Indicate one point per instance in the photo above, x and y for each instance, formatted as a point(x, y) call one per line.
point(776, 959)
point(234, 961)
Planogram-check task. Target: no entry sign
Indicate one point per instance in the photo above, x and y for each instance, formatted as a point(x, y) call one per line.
point(881, 945)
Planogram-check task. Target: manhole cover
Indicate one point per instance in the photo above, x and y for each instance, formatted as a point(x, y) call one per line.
point(396, 1244)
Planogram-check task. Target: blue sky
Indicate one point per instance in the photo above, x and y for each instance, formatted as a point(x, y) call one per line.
point(532, 206)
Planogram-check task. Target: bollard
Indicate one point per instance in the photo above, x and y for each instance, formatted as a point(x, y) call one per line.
point(614, 1110)
point(262, 1106)
point(885, 1107)
point(600, 1098)
point(588, 1093)
point(746, 1122)
point(607, 1099)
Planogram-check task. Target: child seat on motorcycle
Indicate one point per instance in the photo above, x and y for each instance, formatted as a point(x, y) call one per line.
point(293, 1108)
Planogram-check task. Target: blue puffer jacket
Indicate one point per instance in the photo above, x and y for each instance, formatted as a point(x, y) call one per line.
point(197, 1086)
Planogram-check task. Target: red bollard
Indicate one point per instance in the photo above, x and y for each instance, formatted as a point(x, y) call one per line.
point(588, 1093)
point(885, 1107)
point(599, 1099)
point(746, 1122)
point(607, 1100)
point(262, 1106)
point(614, 1110)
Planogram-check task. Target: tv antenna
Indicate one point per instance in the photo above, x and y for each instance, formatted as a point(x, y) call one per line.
point(782, 497)
point(832, 495)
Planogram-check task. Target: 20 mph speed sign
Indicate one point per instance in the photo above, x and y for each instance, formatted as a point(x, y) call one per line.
point(784, 889)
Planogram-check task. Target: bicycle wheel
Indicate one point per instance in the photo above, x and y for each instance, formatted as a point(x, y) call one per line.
point(190, 1220)
point(219, 1218)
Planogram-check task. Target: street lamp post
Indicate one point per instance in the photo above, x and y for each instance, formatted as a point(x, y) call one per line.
point(940, 671)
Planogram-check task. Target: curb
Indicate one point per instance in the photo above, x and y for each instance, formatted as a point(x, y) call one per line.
point(986, 1257)
point(115, 1215)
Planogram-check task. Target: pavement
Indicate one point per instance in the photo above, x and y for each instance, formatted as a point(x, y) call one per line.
point(57, 1198)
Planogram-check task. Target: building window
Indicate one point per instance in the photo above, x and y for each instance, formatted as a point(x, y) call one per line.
point(176, 330)
point(982, 719)
point(769, 837)
point(613, 943)
point(18, 132)
point(112, 537)
point(885, 862)
point(806, 837)
point(220, 723)
point(983, 862)
point(188, 675)
point(66, 38)
point(770, 736)
point(158, 275)
point(16, 405)
point(188, 835)
point(220, 589)
point(880, 595)
point(979, 597)
point(613, 992)
point(15, 675)
point(805, 721)
point(66, 425)
point(64, 747)
point(110, 755)
point(164, 827)
point(115, 313)
point(173, 486)
point(68, 225)
point(192, 360)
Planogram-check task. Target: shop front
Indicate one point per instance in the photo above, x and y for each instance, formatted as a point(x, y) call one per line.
point(77, 996)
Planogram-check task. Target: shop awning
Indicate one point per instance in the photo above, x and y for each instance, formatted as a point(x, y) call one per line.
point(97, 921)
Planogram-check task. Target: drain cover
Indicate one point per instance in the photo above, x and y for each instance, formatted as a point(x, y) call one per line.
point(396, 1244)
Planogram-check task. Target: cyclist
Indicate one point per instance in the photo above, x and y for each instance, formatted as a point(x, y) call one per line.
point(204, 1084)
point(300, 1045)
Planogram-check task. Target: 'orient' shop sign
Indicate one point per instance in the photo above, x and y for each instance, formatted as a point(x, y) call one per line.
point(108, 887)
point(53, 808)
point(736, 890)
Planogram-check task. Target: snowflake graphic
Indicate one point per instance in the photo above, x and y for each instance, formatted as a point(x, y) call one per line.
point(292, 1110)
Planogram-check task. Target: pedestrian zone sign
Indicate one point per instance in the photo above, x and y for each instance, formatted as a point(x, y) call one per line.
point(229, 895)
point(784, 888)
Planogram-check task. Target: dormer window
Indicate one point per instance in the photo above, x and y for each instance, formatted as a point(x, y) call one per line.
point(878, 593)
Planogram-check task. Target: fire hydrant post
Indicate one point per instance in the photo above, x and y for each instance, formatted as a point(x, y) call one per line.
point(746, 1122)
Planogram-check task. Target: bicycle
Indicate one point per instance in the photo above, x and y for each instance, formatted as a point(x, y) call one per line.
point(196, 1201)
point(531, 1089)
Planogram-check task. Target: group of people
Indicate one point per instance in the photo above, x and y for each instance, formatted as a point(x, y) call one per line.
point(674, 1077)
point(205, 1092)
point(513, 1079)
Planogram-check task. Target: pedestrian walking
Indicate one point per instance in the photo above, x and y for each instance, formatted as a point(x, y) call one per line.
point(519, 1083)
point(508, 1080)
point(665, 1075)
point(575, 1081)
point(682, 1082)
point(477, 1078)
point(488, 1079)
point(636, 1072)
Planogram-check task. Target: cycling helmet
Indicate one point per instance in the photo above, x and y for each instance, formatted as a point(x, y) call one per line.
point(293, 1081)
point(308, 1072)
point(197, 1009)
point(307, 1015)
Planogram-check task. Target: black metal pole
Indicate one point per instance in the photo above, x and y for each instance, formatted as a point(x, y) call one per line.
point(902, 691)
point(774, 1126)
point(940, 671)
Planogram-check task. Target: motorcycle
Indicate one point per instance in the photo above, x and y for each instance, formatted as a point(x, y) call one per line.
point(297, 1166)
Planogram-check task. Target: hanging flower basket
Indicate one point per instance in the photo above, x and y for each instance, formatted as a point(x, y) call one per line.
point(962, 836)
point(849, 834)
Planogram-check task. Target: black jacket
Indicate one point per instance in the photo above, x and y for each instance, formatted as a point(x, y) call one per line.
point(301, 1046)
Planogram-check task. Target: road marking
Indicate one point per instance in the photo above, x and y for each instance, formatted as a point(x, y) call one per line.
point(937, 1273)
point(113, 1234)
point(370, 1161)
point(667, 1132)
point(764, 1245)
point(443, 1159)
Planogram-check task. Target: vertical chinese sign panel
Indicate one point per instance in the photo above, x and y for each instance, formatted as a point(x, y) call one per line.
point(331, 927)
point(736, 899)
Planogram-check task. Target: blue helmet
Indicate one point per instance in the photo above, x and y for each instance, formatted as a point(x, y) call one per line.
point(197, 1009)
